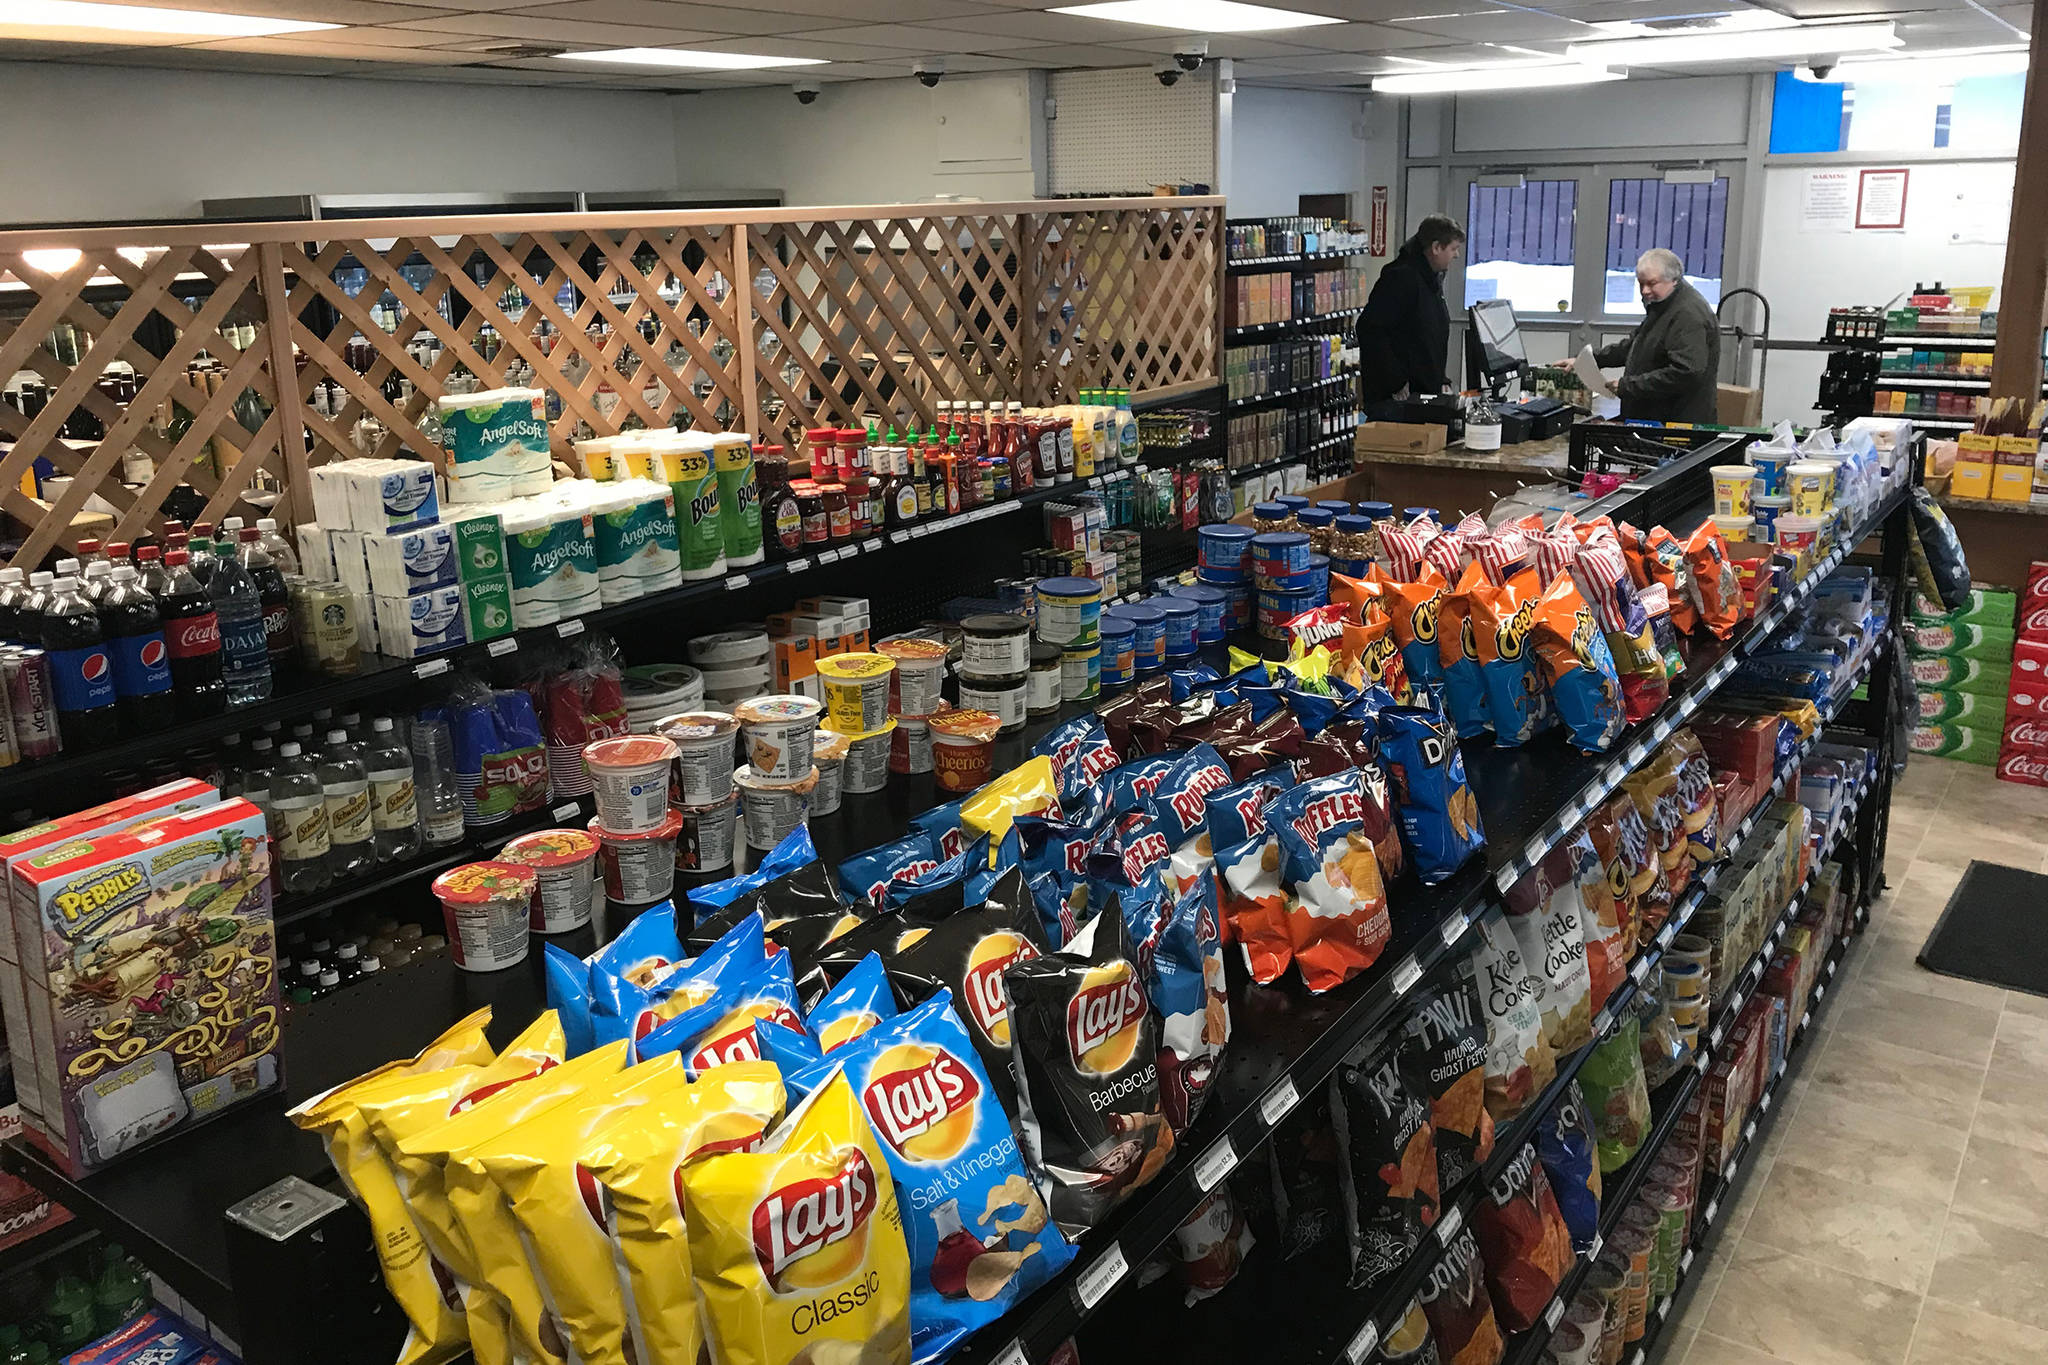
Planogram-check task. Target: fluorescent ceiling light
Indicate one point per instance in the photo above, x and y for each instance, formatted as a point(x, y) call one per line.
point(81, 14)
point(1503, 76)
point(1198, 16)
point(1680, 49)
point(1937, 66)
point(685, 59)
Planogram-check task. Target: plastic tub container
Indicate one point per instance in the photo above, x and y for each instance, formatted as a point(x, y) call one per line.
point(867, 761)
point(910, 745)
point(1148, 637)
point(1734, 485)
point(1734, 528)
point(629, 775)
point(705, 841)
point(1006, 697)
point(638, 867)
point(1069, 610)
point(1279, 553)
point(704, 755)
point(1081, 675)
point(1212, 606)
point(770, 810)
point(963, 745)
point(1798, 535)
point(1810, 482)
point(778, 732)
point(995, 647)
point(1770, 467)
point(1684, 981)
point(1042, 683)
point(1221, 550)
point(564, 863)
point(1767, 508)
point(487, 907)
point(856, 692)
point(1376, 511)
point(1183, 627)
point(830, 756)
point(915, 687)
point(1119, 636)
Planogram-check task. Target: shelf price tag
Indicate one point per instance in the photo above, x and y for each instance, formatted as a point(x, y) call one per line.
point(1593, 1252)
point(1013, 1354)
point(1454, 929)
point(1714, 1038)
point(1275, 1103)
point(1640, 970)
point(1804, 1020)
point(502, 646)
point(572, 626)
point(1406, 975)
point(566, 811)
point(1685, 1261)
point(1765, 1103)
point(432, 668)
point(1092, 1285)
point(1217, 1162)
point(1670, 931)
point(1448, 1225)
point(1554, 1314)
point(734, 582)
point(1361, 1343)
point(1749, 1130)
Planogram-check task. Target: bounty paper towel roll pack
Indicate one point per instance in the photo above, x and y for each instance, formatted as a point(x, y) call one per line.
point(495, 444)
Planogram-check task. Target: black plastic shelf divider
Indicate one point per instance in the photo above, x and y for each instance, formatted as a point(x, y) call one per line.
point(1252, 331)
point(1280, 395)
point(1306, 258)
point(46, 1246)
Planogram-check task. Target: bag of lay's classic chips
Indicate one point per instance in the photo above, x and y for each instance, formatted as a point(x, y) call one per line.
point(861, 1000)
point(1337, 911)
point(1457, 642)
point(638, 1158)
point(1503, 619)
point(1439, 815)
point(797, 1247)
point(869, 874)
point(1583, 682)
point(737, 1002)
point(1185, 981)
point(975, 1225)
point(1027, 789)
point(1414, 608)
point(1080, 753)
point(554, 1199)
point(1254, 905)
point(437, 1330)
point(1087, 1070)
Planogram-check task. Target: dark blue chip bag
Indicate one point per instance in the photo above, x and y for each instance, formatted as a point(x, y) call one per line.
point(1565, 1143)
point(1439, 815)
point(868, 875)
point(1238, 813)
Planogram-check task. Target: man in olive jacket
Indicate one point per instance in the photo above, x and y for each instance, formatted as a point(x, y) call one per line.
point(1673, 361)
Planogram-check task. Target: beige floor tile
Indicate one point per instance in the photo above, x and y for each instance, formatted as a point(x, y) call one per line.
point(1982, 845)
point(2027, 1030)
point(1948, 1335)
point(1994, 812)
point(1884, 964)
point(1749, 1189)
point(2004, 1183)
point(2013, 1110)
point(1888, 1152)
point(1896, 1079)
point(1833, 1220)
point(2022, 1057)
point(1925, 779)
point(1992, 1268)
point(1947, 1028)
point(1809, 1313)
point(1676, 1343)
point(2027, 1003)
point(1708, 1349)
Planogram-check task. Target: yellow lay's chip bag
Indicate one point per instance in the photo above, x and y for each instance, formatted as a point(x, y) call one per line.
point(638, 1159)
point(556, 1203)
point(1027, 789)
point(798, 1249)
point(427, 1299)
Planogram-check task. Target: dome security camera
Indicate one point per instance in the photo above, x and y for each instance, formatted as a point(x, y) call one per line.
point(930, 71)
point(1190, 57)
point(1168, 72)
point(807, 92)
point(1821, 67)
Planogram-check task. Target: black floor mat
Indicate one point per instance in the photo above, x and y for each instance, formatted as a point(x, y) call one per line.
point(1994, 929)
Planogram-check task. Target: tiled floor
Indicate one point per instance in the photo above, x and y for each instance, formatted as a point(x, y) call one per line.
point(1898, 1212)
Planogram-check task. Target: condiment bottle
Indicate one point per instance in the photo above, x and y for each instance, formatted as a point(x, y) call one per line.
point(782, 520)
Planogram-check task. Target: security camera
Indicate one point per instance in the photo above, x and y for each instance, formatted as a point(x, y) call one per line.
point(1821, 67)
point(807, 92)
point(1168, 73)
point(1190, 57)
point(930, 71)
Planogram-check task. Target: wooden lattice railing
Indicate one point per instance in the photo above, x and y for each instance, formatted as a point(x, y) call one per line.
point(234, 368)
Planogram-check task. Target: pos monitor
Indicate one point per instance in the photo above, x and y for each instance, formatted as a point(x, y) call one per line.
point(1493, 346)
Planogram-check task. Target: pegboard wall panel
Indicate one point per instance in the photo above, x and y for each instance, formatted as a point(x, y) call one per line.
point(1119, 131)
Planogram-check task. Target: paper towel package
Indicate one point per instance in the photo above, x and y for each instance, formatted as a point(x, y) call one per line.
point(421, 623)
point(495, 444)
point(374, 495)
point(551, 557)
point(635, 524)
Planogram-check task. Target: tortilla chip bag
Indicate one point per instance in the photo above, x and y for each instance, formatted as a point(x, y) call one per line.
point(638, 1158)
point(1457, 643)
point(437, 1331)
point(1414, 608)
point(1438, 812)
point(1503, 619)
point(1582, 678)
point(797, 1247)
point(1523, 1240)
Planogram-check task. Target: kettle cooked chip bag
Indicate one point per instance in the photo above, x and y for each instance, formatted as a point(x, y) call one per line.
point(1337, 917)
point(1443, 1055)
point(1544, 911)
point(1583, 683)
point(1438, 813)
point(1390, 1169)
point(1519, 1062)
point(797, 1247)
point(1503, 620)
point(1523, 1241)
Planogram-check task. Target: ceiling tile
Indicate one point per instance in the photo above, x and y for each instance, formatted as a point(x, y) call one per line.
point(878, 11)
point(552, 24)
point(922, 38)
point(1038, 25)
point(1512, 26)
point(319, 11)
point(1079, 54)
point(260, 63)
point(805, 45)
point(1220, 45)
point(1381, 38)
point(322, 46)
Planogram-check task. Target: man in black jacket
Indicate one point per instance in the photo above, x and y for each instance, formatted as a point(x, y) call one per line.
point(1673, 361)
point(1404, 334)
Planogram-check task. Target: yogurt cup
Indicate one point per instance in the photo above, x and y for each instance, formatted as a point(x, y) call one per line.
point(1809, 482)
point(770, 810)
point(777, 732)
point(486, 907)
point(830, 755)
point(856, 692)
point(1734, 528)
point(963, 745)
point(629, 775)
point(920, 674)
point(564, 862)
point(867, 760)
point(1734, 484)
point(1770, 466)
point(704, 755)
point(1798, 535)
point(638, 867)
point(705, 841)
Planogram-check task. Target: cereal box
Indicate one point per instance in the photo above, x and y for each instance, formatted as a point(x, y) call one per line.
point(153, 979)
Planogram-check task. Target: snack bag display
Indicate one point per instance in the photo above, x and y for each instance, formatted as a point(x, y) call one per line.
point(1185, 981)
point(1238, 813)
point(1544, 911)
point(1660, 562)
point(638, 1158)
point(975, 1226)
point(1617, 1095)
point(1601, 881)
point(1565, 1142)
point(1080, 752)
point(1457, 642)
point(1390, 1165)
point(1699, 811)
point(861, 1000)
point(1503, 621)
point(1027, 789)
point(1368, 656)
point(1414, 609)
point(1439, 815)
point(1523, 1242)
point(1086, 1063)
point(797, 1246)
point(623, 1009)
point(1519, 1062)
point(1411, 1342)
point(1583, 683)
point(1460, 1314)
point(1210, 1245)
point(1337, 920)
point(1307, 1179)
point(1716, 590)
point(768, 993)
point(1254, 905)
point(1443, 1056)
point(869, 874)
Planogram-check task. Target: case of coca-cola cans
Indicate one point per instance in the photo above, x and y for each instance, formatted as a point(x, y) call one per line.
point(2023, 748)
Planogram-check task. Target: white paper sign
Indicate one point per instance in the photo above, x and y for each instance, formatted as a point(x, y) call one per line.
point(1829, 202)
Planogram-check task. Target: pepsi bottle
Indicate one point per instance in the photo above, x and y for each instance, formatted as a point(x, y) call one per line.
point(192, 637)
point(142, 663)
point(83, 667)
point(31, 620)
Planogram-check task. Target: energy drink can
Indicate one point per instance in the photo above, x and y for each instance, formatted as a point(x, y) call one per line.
point(32, 702)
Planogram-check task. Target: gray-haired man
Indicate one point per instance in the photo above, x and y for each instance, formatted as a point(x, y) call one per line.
point(1673, 361)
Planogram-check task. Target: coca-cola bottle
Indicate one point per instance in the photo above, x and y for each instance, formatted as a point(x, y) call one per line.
point(192, 635)
point(280, 631)
point(142, 668)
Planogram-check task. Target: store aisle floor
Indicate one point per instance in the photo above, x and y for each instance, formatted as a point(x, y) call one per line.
point(1898, 1212)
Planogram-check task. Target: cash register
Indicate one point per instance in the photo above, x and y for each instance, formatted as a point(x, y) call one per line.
point(1497, 363)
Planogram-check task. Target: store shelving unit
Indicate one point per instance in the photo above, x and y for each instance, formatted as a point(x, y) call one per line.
point(1317, 392)
point(1314, 322)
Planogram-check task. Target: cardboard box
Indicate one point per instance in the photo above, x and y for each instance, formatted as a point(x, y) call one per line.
point(487, 607)
point(1970, 743)
point(2030, 663)
point(1988, 643)
point(2036, 590)
point(1402, 438)
point(1985, 607)
point(2012, 479)
point(1940, 707)
point(2027, 699)
point(25, 1211)
point(1951, 674)
point(1737, 405)
point(2027, 766)
point(479, 546)
point(2025, 732)
point(2033, 624)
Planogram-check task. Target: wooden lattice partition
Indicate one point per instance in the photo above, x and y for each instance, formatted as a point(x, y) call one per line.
point(761, 320)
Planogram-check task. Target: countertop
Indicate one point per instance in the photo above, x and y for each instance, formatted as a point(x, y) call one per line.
point(1545, 459)
point(1955, 504)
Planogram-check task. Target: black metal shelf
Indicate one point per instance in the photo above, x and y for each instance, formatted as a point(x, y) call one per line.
point(1258, 400)
point(1252, 331)
point(1257, 263)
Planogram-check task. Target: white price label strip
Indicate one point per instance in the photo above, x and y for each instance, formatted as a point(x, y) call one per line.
point(1765, 1103)
point(501, 647)
point(1805, 1019)
point(1712, 1209)
point(1554, 1314)
point(1013, 1354)
point(1454, 929)
point(1275, 1103)
point(431, 668)
point(734, 582)
point(1593, 1252)
point(1361, 1344)
point(1670, 932)
point(564, 629)
point(1685, 1261)
point(1406, 975)
point(1217, 1162)
point(1640, 970)
point(1448, 1225)
point(1094, 1283)
point(799, 564)
point(566, 811)
point(1749, 1130)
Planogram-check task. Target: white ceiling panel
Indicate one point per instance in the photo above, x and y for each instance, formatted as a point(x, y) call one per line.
point(1039, 25)
point(555, 27)
point(319, 11)
point(56, 52)
point(1383, 37)
point(1515, 26)
point(920, 38)
point(873, 11)
point(1220, 45)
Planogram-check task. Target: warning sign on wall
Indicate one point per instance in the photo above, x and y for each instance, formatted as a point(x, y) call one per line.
point(1379, 220)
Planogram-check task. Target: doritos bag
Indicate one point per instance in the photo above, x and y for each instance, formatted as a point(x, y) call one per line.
point(1439, 815)
point(639, 1159)
point(1457, 643)
point(1523, 1240)
point(975, 1226)
point(800, 1242)
point(1564, 1141)
point(1337, 920)
point(1460, 1314)
point(1414, 610)
point(1543, 910)
point(1583, 682)
point(1390, 1168)
point(1085, 1056)
point(1503, 620)
point(1519, 1062)
point(1715, 589)
point(1185, 981)
point(1443, 1055)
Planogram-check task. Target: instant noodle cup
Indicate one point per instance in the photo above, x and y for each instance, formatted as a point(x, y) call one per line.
point(487, 908)
point(910, 745)
point(829, 754)
point(704, 755)
point(1809, 483)
point(564, 862)
point(770, 810)
point(962, 745)
point(638, 868)
point(1734, 485)
point(867, 759)
point(629, 775)
point(797, 1248)
point(704, 843)
point(856, 691)
point(778, 732)
point(920, 672)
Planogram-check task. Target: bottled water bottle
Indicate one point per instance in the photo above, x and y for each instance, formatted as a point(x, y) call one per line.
point(346, 787)
point(300, 807)
point(439, 795)
point(394, 802)
point(244, 655)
